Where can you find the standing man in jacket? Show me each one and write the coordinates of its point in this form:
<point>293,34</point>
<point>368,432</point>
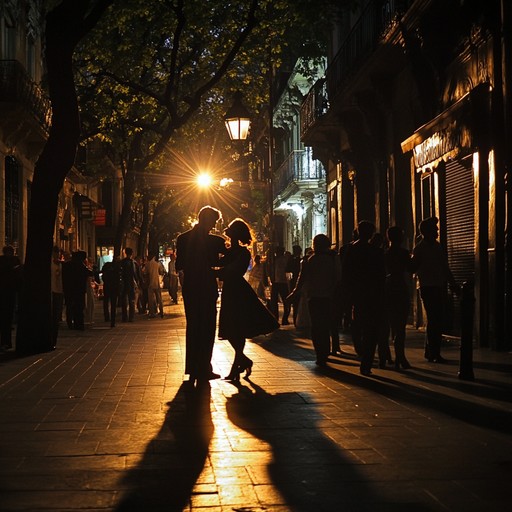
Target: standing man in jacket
<point>430,263</point>
<point>197,253</point>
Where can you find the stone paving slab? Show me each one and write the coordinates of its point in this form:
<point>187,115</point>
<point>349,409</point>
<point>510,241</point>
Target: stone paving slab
<point>105,423</point>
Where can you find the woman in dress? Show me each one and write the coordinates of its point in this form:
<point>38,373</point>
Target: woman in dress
<point>242,314</point>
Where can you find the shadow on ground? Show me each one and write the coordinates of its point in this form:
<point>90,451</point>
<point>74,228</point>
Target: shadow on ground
<point>174,459</point>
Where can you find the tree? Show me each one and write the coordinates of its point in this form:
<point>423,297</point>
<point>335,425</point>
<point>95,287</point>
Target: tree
<point>157,73</point>
<point>169,55</point>
<point>66,23</point>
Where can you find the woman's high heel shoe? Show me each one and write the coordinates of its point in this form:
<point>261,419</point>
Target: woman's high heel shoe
<point>247,367</point>
<point>234,374</point>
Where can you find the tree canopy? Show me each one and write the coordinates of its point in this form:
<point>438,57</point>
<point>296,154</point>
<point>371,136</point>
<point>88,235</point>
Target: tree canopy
<point>156,76</point>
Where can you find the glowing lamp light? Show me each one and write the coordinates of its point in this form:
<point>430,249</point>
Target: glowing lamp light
<point>237,119</point>
<point>204,180</point>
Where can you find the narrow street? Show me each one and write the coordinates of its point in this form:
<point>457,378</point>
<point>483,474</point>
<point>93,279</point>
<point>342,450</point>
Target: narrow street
<point>104,423</point>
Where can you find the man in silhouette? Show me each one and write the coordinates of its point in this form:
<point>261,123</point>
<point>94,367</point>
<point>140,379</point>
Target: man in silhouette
<point>197,253</point>
<point>363,278</point>
<point>430,264</point>
<point>130,281</point>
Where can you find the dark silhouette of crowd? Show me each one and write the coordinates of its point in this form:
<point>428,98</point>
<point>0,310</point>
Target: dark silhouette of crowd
<point>363,289</point>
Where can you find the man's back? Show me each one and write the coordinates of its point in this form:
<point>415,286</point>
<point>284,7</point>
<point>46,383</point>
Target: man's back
<point>197,253</point>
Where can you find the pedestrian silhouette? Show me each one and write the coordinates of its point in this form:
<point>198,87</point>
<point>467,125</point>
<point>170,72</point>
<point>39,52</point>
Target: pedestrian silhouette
<point>293,268</point>
<point>363,275</point>
<point>57,293</point>
<point>258,278</point>
<point>320,276</point>
<point>242,314</point>
<point>173,278</point>
<point>75,277</point>
<point>111,277</point>
<point>398,264</point>
<point>154,270</point>
<point>130,282</point>
<point>383,350</point>
<point>197,253</point>
<point>430,263</point>
<point>280,287</point>
<point>347,322</point>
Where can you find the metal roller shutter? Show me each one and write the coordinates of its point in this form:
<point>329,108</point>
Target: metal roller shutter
<point>460,225</point>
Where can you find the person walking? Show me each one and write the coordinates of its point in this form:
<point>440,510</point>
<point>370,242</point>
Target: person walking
<point>398,264</point>
<point>75,277</point>
<point>57,293</point>
<point>293,269</point>
<point>197,253</point>
<point>90,296</point>
<point>430,264</point>
<point>153,270</point>
<point>280,287</point>
<point>173,278</point>
<point>10,286</point>
<point>363,278</point>
<point>129,283</point>
<point>242,314</point>
<point>258,278</point>
<point>320,276</point>
<point>111,277</point>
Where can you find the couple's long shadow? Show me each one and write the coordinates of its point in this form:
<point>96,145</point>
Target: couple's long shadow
<point>308,469</point>
<point>175,458</point>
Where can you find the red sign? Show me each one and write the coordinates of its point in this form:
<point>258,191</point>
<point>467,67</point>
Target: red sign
<point>100,218</point>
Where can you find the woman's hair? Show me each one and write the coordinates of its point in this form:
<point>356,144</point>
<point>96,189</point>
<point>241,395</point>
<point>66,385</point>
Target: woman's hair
<point>240,230</point>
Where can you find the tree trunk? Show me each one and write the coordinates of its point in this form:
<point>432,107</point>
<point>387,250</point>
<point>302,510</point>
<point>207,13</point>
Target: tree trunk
<point>65,25</point>
<point>57,158</point>
<point>142,246</point>
<point>126,212</point>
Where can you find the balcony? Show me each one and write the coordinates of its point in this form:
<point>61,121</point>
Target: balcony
<point>375,23</point>
<point>298,173</point>
<point>26,111</point>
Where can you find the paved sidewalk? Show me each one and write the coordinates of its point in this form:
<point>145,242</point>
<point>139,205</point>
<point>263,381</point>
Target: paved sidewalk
<point>104,424</point>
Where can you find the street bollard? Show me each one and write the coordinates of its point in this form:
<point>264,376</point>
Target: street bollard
<point>467,308</point>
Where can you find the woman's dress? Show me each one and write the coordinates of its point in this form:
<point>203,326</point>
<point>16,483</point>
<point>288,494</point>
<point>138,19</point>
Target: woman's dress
<point>242,314</point>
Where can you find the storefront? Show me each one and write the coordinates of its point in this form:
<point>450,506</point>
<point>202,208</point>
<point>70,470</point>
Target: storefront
<point>451,164</point>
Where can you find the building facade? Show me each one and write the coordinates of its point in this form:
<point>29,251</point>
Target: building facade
<point>299,186</point>
<point>25,118</point>
<point>411,120</point>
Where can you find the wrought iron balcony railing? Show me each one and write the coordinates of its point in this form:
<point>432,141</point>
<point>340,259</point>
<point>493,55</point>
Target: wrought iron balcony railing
<point>362,40</point>
<point>16,87</point>
<point>299,167</point>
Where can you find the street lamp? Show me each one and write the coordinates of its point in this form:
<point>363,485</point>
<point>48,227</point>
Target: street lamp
<point>237,119</point>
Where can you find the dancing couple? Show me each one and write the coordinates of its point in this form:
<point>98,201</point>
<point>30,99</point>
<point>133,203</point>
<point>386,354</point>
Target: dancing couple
<point>204,257</point>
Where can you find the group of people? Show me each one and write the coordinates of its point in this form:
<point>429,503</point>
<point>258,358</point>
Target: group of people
<point>371,283</point>
<point>365,279</point>
<point>368,277</point>
<point>135,284</point>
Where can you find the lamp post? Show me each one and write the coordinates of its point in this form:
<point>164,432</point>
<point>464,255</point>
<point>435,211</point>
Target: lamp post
<point>237,119</point>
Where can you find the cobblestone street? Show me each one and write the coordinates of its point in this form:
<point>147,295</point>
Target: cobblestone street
<point>104,423</point>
